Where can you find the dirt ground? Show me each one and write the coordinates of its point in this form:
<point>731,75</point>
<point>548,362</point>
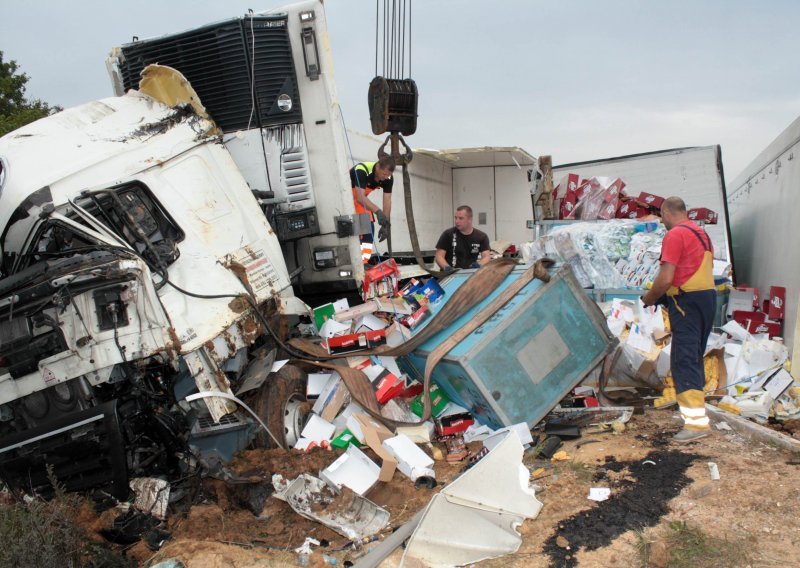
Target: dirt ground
<point>654,486</point>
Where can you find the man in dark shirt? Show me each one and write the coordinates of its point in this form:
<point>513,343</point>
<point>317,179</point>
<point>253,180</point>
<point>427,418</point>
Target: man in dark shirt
<point>462,246</point>
<point>365,178</point>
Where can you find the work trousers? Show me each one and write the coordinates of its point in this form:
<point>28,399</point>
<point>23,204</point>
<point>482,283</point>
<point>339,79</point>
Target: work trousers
<point>691,317</point>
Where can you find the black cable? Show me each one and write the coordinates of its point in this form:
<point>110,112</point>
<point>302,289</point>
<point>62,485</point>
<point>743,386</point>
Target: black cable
<point>377,6</point>
<point>409,38</point>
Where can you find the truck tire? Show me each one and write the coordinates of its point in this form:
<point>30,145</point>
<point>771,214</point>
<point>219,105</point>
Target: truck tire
<point>281,404</point>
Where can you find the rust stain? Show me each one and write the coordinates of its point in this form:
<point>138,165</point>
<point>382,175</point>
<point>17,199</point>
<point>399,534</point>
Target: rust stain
<point>229,342</point>
<point>250,329</point>
<point>238,305</point>
<point>209,345</point>
<point>174,346</point>
<point>241,273</point>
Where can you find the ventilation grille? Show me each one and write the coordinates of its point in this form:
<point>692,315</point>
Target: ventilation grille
<point>206,424</point>
<point>217,62</point>
<point>296,179</point>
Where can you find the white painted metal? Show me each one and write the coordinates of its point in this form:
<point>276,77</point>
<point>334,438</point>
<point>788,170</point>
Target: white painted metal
<point>764,206</point>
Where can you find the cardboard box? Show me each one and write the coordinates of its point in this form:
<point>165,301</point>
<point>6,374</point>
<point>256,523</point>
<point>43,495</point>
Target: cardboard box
<point>756,296</point>
<point>614,190</point>
<point>568,202</point>
<point>352,469</point>
<point>740,300</point>
<point>743,317</point>
<point>608,211</point>
<point>374,434</point>
<point>332,398</point>
<point>453,424</point>
<point>355,341</point>
<point>567,183</point>
<point>316,384</point>
<point>777,299</point>
<point>703,214</point>
<point>317,429</point>
<point>773,329</point>
<point>439,401</point>
<point>386,384</point>
<point>650,200</point>
<point>520,430</point>
<point>625,209</point>
<point>326,311</point>
<point>411,460</point>
<point>416,318</point>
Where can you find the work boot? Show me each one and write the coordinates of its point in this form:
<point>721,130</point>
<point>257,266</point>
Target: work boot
<point>685,436</point>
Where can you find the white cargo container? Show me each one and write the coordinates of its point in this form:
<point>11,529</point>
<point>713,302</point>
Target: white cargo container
<point>764,209</point>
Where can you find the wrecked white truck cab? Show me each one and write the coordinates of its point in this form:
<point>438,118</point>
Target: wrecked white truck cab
<point>138,268</point>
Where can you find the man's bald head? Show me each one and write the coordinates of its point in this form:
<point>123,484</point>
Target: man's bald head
<point>673,211</point>
<point>674,205</point>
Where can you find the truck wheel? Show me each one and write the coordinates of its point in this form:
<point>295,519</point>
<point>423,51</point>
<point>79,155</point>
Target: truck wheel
<point>282,405</point>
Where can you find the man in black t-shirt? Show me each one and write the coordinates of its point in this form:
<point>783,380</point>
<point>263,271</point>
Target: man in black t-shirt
<point>462,246</point>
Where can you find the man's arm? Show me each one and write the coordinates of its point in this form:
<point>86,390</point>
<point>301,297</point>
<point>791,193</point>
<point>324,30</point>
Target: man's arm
<point>440,260</point>
<point>485,257</point>
<point>387,205</point>
<point>660,285</point>
<point>364,200</point>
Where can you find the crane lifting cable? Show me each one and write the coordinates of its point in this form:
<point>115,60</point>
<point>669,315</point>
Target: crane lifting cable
<point>393,99</point>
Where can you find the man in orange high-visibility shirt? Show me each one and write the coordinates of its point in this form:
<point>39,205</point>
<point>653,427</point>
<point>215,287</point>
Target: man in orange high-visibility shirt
<point>365,178</point>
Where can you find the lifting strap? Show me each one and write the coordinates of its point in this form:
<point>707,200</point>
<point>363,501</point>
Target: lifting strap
<point>477,288</point>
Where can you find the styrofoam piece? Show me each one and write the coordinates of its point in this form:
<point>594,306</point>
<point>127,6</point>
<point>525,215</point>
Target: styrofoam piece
<point>399,410</point>
<point>521,430</point>
<point>355,518</point>
<point>599,493</point>
<point>477,515</point>
<point>317,429</point>
<point>411,460</point>
<point>352,469</point>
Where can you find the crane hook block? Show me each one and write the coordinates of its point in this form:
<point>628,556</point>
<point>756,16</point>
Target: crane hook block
<point>393,105</point>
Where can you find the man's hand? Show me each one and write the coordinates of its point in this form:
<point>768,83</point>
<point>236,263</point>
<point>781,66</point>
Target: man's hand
<point>384,223</point>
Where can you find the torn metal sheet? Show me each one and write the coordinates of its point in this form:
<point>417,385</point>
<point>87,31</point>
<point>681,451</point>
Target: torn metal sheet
<point>346,512</point>
<point>477,515</point>
<point>590,416</point>
<point>152,495</point>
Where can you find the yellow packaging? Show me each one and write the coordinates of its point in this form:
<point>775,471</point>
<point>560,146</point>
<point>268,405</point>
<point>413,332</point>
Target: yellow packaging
<point>732,408</point>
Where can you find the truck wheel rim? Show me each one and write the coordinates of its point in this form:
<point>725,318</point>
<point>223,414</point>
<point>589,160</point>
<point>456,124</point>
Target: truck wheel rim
<point>293,417</point>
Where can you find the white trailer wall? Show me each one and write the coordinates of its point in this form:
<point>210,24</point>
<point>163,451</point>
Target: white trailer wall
<point>764,207</point>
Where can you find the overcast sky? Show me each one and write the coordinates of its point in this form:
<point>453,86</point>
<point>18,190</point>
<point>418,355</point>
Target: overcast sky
<point>579,80</point>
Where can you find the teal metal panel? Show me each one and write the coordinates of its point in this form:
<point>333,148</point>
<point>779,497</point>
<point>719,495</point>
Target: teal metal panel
<point>525,358</point>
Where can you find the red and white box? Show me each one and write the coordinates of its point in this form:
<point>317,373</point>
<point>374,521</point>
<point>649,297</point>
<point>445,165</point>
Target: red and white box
<point>754,292</point>
<point>703,214</point>
<point>568,202</point>
<point>608,211</point>
<point>745,318</point>
<point>626,208</point>
<point>650,200</point>
<point>387,385</point>
<point>453,424</point>
<point>356,341</point>
<point>569,183</point>
<point>613,190</point>
<point>777,300</point>
<point>772,328</point>
<point>585,188</point>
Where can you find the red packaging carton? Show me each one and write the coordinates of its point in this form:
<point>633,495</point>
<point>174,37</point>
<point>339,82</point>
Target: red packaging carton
<point>755,293</point>
<point>387,385</point>
<point>703,214</point>
<point>777,299</point>
<point>568,183</point>
<point>625,209</point>
<point>744,318</point>
<point>649,200</point>
<point>568,205</point>
<point>356,341</point>
<point>608,211</point>
<point>453,424</point>
<point>769,327</point>
<point>614,190</point>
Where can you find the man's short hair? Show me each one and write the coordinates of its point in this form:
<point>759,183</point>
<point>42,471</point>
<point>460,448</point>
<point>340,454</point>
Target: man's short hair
<point>674,205</point>
<point>466,208</point>
<point>386,163</point>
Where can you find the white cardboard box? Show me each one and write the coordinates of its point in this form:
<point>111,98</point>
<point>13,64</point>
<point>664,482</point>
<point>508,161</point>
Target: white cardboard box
<point>317,429</point>
<point>521,430</point>
<point>411,460</point>
<point>352,469</point>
